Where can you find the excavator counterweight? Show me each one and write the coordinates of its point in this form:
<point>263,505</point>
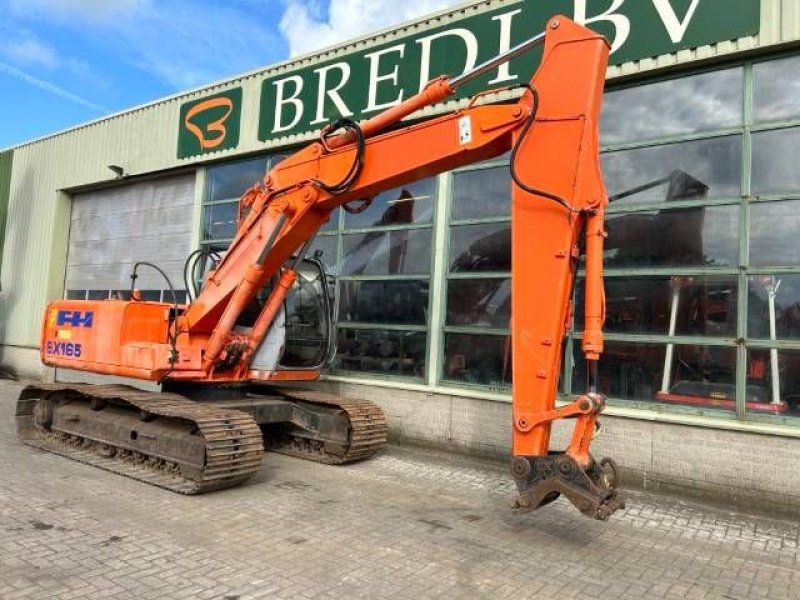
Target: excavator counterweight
<point>263,315</point>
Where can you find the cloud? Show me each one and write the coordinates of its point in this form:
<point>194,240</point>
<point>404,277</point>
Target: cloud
<point>49,87</point>
<point>308,25</point>
<point>26,49</point>
<point>92,10</point>
<point>184,43</point>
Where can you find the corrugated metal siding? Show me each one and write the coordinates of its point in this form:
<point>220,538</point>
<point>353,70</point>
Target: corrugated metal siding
<point>144,140</point>
<point>111,229</point>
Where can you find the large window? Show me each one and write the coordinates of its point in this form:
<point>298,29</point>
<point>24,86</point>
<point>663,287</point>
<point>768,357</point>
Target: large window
<point>477,347</point>
<point>384,273</point>
<point>702,256</point>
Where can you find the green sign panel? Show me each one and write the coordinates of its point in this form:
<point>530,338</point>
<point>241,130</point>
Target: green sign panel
<point>210,124</point>
<point>362,84</point>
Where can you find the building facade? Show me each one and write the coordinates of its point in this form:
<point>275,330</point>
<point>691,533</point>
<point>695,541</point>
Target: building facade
<point>699,132</point>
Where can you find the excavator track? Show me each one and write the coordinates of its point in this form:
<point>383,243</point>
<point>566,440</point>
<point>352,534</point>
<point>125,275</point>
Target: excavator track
<point>214,448</point>
<point>368,430</point>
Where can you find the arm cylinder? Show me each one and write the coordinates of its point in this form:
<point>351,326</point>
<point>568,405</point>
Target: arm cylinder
<point>594,302</point>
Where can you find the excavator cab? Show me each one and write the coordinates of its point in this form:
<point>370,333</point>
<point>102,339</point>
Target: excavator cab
<point>309,318</point>
<point>301,337</point>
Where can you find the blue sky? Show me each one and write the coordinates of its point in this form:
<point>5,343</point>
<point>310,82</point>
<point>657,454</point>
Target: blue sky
<point>64,62</point>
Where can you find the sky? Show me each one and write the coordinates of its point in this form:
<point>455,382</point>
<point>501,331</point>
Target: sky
<point>65,62</point>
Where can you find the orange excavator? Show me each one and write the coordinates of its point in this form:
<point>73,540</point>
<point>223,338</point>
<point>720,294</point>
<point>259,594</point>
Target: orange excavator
<point>263,317</point>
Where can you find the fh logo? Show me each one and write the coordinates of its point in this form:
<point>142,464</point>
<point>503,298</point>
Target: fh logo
<point>215,130</point>
<point>74,318</point>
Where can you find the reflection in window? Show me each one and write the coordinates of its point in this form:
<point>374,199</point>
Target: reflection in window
<point>774,236</point>
<point>702,305</point>
<point>333,223</point>
<point>397,302</point>
<point>701,102</point>
<point>777,90</point>
<point>412,203</point>
<point>775,161</point>
<point>404,252</point>
<point>324,248</point>
<point>773,379</point>
<point>697,376</point>
<point>688,170</point>
<point>481,302</point>
<point>774,307</point>
<point>478,360</point>
<point>481,193</point>
<point>220,221</point>
<point>232,180</point>
<point>683,237</point>
<point>380,351</point>
<point>484,247</point>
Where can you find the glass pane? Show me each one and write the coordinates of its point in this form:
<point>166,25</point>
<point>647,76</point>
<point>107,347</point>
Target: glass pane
<point>478,360</point>
<point>333,222</point>
<point>75,295</point>
<point>104,294</point>
<point>483,302</point>
<point>774,238</point>
<point>220,221</point>
<point>482,193</point>
<point>151,295</point>
<point>707,237</point>
<point>326,244</point>
<point>774,307</point>
<point>685,105</point>
<point>773,382</point>
<point>397,302</point>
<point>413,203</point>
<point>484,247</point>
<point>232,180</point>
<point>703,305</point>
<point>775,161</point>
<point>382,352</point>
<point>687,170</point>
<point>405,252</point>
<point>699,376</point>
<point>777,89</point>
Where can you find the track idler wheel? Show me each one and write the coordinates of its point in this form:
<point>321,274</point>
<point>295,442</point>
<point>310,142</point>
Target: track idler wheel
<point>542,479</point>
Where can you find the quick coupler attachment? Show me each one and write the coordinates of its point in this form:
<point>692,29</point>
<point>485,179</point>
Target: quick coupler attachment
<point>542,479</point>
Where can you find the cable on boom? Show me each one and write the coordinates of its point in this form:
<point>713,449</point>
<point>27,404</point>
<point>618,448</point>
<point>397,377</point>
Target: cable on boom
<point>358,164</point>
<point>525,129</point>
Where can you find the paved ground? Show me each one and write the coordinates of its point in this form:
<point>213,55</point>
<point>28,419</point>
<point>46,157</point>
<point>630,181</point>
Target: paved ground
<point>407,524</point>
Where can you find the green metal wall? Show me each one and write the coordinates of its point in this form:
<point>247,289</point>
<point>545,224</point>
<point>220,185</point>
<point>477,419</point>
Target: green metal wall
<point>6,161</point>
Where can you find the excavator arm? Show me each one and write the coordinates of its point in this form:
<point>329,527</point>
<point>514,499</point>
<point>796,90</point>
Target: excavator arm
<point>558,198</point>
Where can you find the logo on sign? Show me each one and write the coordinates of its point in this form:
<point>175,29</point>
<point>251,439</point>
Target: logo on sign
<point>74,318</point>
<point>213,133</point>
<point>210,124</point>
